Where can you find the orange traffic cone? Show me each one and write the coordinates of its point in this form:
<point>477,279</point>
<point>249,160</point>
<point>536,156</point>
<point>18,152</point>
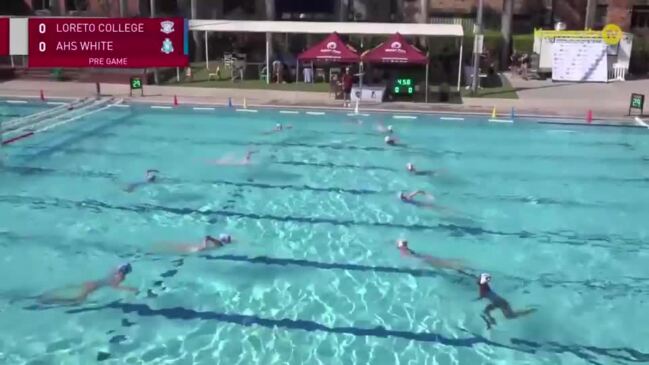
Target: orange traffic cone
<point>589,116</point>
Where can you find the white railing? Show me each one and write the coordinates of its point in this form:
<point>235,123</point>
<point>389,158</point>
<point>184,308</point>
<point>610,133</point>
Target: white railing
<point>88,107</point>
<point>466,23</point>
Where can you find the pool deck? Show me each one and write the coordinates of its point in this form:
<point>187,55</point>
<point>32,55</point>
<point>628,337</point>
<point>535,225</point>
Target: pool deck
<point>608,101</point>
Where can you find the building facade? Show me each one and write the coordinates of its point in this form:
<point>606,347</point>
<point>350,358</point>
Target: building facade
<point>629,14</point>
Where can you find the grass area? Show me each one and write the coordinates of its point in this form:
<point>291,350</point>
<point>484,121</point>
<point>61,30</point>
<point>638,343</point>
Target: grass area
<point>200,79</point>
<point>504,91</point>
<point>200,74</point>
<point>253,84</point>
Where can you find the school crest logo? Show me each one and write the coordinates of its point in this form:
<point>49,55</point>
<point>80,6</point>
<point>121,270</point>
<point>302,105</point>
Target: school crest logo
<point>167,46</point>
<point>167,27</point>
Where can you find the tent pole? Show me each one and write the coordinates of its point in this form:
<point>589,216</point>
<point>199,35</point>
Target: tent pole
<point>268,71</point>
<point>459,67</point>
<point>360,78</point>
<point>426,91</point>
<point>207,54</point>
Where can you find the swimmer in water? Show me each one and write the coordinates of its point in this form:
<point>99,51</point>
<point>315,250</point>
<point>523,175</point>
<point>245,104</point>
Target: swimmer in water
<point>209,243</point>
<point>226,161</point>
<point>402,245</point>
<point>411,169</point>
<point>279,127</point>
<point>496,302</point>
<point>149,178</point>
<point>389,140</point>
<point>113,280</point>
<point>383,129</point>
<point>409,198</point>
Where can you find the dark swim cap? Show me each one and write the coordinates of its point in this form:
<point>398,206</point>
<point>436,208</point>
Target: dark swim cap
<point>125,269</point>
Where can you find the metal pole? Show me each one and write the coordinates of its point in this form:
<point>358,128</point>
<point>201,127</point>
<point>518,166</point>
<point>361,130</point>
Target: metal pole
<point>476,55</point>
<point>12,61</point>
<point>426,91</point>
<point>122,8</point>
<point>268,58</point>
<point>591,8</point>
<point>177,74</point>
<point>207,54</point>
<point>155,70</point>
<point>459,67</point>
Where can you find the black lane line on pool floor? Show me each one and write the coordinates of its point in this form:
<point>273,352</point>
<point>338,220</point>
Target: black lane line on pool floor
<point>454,230</point>
<point>610,290</point>
<point>174,313</point>
<point>500,174</point>
<point>36,171</point>
<point>376,135</point>
<point>341,146</point>
<point>588,353</point>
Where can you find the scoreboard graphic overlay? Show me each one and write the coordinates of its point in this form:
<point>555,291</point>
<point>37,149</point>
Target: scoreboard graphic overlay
<point>108,42</point>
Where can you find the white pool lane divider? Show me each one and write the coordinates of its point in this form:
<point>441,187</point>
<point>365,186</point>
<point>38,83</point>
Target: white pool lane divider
<point>203,108</point>
<point>16,101</point>
<point>641,122</point>
<point>451,118</point>
<point>316,113</point>
<point>160,107</point>
<point>247,110</point>
<point>289,112</point>
<point>501,121</point>
<point>56,102</point>
<point>404,117</point>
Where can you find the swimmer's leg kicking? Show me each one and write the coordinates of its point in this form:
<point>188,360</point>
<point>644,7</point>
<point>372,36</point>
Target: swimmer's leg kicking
<point>496,302</point>
<point>114,280</point>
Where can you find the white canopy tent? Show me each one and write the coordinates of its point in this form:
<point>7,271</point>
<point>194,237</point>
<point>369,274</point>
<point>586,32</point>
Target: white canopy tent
<point>269,27</point>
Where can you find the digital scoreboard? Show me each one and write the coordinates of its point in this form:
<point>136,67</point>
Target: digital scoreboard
<point>107,42</point>
<point>403,86</point>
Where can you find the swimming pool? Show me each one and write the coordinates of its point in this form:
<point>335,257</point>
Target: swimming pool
<point>555,213</point>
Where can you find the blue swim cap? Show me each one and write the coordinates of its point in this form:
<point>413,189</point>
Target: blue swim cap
<point>225,238</point>
<point>124,269</point>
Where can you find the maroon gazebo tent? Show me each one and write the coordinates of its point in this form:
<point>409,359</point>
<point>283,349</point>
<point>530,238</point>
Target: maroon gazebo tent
<point>397,50</point>
<point>330,50</point>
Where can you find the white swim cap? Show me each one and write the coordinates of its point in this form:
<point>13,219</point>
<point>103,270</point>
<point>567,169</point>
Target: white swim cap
<point>410,166</point>
<point>225,238</point>
<point>386,139</point>
<point>484,278</point>
<point>389,127</point>
<point>402,243</point>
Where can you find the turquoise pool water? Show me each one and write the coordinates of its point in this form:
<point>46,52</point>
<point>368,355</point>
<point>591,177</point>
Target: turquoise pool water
<point>557,215</point>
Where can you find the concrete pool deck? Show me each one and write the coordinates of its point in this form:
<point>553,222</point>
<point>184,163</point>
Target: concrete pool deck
<point>608,101</point>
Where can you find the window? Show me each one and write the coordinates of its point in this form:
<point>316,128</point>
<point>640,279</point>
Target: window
<point>640,17</point>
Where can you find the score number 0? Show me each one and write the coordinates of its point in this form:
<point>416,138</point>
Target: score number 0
<point>41,30</point>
